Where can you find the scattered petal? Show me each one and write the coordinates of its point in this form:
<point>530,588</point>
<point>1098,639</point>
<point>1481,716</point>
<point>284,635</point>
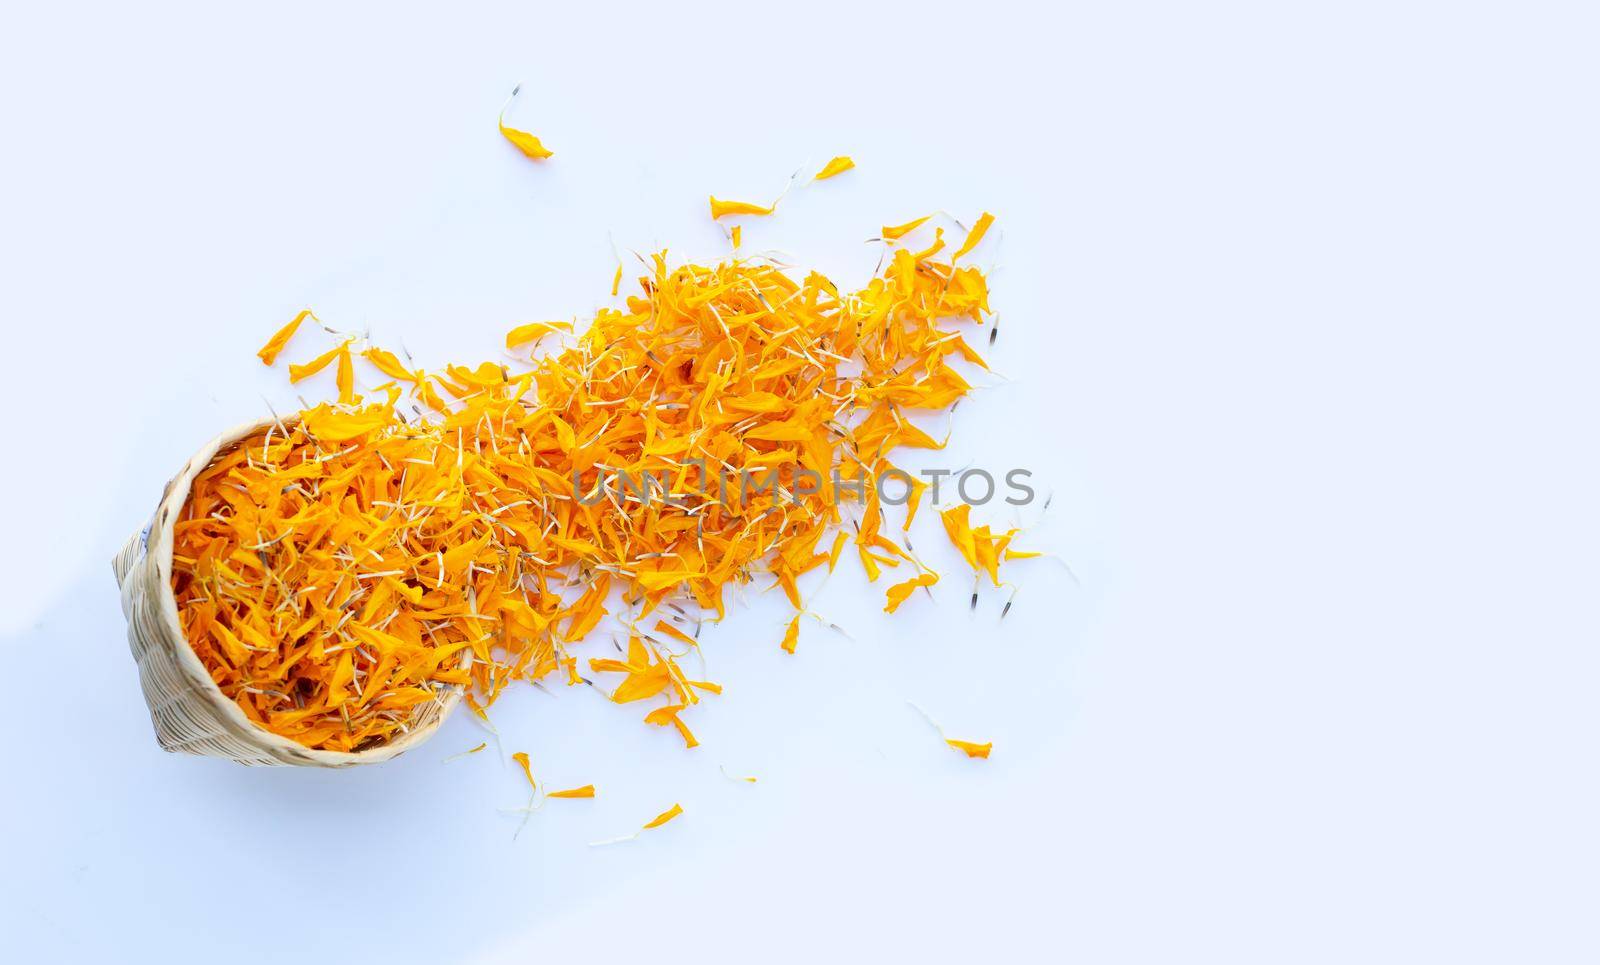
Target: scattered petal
<point>586,791</point>
<point>533,331</point>
<point>525,142</point>
<point>664,817</point>
<point>896,232</point>
<point>969,748</point>
<point>345,376</point>
<point>898,593</point>
<point>722,209</point>
<point>275,344</point>
<point>974,236</point>
<point>306,371</point>
<point>521,757</point>
<point>838,165</point>
<point>469,751</point>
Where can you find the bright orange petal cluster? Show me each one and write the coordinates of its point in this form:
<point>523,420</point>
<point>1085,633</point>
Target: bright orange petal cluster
<point>335,572</point>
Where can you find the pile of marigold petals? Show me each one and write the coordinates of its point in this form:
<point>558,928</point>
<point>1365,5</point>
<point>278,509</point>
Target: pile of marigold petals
<point>511,479</point>
<point>323,585</point>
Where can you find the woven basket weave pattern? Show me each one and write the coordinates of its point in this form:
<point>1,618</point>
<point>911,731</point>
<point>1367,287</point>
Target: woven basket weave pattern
<point>189,711</point>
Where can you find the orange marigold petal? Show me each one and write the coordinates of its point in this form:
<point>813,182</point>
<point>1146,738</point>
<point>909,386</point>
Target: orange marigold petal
<point>838,165</point>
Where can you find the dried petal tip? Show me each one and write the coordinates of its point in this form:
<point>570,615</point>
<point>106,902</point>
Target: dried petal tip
<point>721,209</point>
<point>838,165</point>
<point>466,753</point>
<point>971,749</point>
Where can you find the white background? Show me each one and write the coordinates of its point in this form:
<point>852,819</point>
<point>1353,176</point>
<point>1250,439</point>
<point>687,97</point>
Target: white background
<point>1298,325</point>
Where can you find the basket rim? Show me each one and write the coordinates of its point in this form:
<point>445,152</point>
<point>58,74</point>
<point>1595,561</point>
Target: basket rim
<point>158,550</point>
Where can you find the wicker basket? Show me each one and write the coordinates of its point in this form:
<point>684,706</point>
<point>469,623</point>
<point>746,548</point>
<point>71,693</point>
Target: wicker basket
<point>189,711</point>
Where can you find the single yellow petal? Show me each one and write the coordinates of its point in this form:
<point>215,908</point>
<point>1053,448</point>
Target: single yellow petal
<point>974,236</point>
<point>662,716</point>
<point>533,331</point>
<point>838,547</point>
<point>388,364</point>
<point>521,757</point>
<point>683,731</point>
<point>959,529</point>
<point>896,232</point>
<point>525,142</point>
<point>275,344</point>
<point>969,748</point>
<point>345,376</point>
<point>664,817</point>
<point>586,791</point>
<point>721,209</point>
<point>306,371</point>
<point>900,592</point>
<point>664,627</point>
<point>838,165</point>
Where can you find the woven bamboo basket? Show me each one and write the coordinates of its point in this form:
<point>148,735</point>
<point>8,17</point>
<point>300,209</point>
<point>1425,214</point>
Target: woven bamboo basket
<point>190,713</point>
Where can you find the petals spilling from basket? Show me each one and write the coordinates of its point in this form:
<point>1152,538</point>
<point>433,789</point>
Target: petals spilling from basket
<point>331,572</point>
